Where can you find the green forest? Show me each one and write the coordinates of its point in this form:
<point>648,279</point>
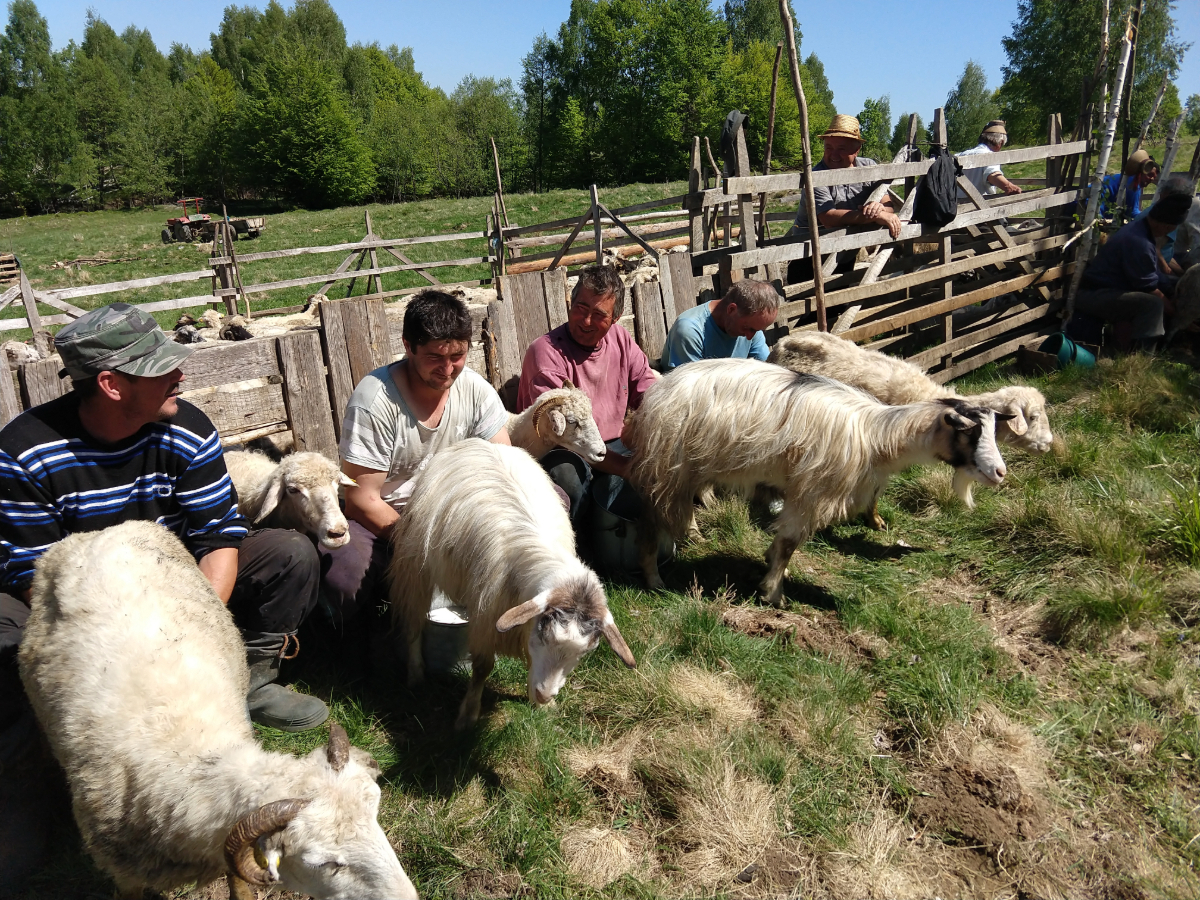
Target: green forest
<point>279,107</point>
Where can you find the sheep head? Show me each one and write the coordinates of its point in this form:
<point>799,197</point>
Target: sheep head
<point>566,622</point>
<point>1027,425</point>
<point>303,494</point>
<point>965,438</point>
<point>329,844</point>
<point>564,415</point>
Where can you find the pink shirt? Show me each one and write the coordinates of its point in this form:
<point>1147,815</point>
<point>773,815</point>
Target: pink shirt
<point>615,374</point>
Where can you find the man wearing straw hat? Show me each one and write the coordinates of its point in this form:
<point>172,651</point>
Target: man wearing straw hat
<point>1140,170</point>
<point>988,178</point>
<point>842,205</point>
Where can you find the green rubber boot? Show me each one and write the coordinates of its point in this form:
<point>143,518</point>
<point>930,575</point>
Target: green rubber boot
<point>271,704</point>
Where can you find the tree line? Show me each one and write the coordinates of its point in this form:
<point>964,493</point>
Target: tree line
<point>281,107</point>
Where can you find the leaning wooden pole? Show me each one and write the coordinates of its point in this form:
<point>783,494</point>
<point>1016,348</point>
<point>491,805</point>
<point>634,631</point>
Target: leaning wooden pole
<point>1172,144</point>
<point>763,232</point>
<point>499,186</point>
<point>810,202</point>
<point>1093,204</point>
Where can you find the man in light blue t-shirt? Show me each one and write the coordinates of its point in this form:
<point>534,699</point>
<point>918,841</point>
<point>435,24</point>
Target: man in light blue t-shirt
<point>729,328</point>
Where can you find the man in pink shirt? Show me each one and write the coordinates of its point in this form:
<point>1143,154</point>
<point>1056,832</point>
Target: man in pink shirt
<point>602,361</point>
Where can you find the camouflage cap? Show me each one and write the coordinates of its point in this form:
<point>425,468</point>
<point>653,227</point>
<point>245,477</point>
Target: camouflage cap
<point>117,337</point>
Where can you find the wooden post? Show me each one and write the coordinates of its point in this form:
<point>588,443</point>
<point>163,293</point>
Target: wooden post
<point>764,230</point>
<point>1089,216</point>
<point>499,186</point>
<point>596,226</point>
<point>1132,31</point>
<point>376,280</point>
<point>41,337</point>
<point>221,279</point>
<point>1054,164</point>
<point>910,184</point>
<point>698,234</point>
<point>1194,168</point>
<point>741,166</point>
<point>1172,144</point>
<point>947,294</point>
<point>810,203</point>
<point>237,275</point>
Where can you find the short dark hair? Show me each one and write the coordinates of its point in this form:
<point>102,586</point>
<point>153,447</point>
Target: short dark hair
<point>602,281</point>
<point>752,297</point>
<point>85,388</point>
<point>436,316</point>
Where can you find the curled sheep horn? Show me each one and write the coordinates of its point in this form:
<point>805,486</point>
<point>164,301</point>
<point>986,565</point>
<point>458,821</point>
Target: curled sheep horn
<point>240,844</point>
<point>337,751</point>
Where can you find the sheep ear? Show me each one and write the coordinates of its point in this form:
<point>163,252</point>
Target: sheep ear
<point>519,615</point>
<point>272,497</point>
<point>567,384</point>
<point>558,422</point>
<point>345,479</point>
<point>613,635</point>
<point>1015,418</point>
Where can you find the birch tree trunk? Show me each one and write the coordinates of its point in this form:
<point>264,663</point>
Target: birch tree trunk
<point>1142,136</point>
<point>1172,144</point>
<point>1093,205</point>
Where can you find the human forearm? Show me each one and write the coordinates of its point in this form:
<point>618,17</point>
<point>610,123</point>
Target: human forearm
<point>220,568</point>
<point>371,512</point>
<point>998,179</point>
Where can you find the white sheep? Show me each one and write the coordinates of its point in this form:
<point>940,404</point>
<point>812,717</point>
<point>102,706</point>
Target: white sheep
<point>558,418</point>
<point>1022,422</point>
<point>19,353</point>
<point>299,492</point>
<point>486,527</point>
<point>267,326</point>
<point>138,677</point>
<point>829,448</point>
<point>1187,303</point>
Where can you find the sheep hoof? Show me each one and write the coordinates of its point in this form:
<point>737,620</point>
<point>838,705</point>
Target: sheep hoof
<point>466,721</point>
<point>655,583</point>
<point>876,522</point>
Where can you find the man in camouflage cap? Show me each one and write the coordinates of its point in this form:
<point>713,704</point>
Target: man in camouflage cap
<point>125,441</point>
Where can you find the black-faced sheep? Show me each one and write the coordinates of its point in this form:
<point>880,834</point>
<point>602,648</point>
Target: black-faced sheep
<point>558,418</point>
<point>1022,422</point>
<point>485,526</point>
<point>138,676</point>
<point>829,448</point>
<point>299,492</point>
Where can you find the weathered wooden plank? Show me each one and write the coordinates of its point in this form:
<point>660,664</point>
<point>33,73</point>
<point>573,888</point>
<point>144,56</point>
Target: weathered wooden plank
<point>93,290</point>
<point>377,243</point>
<point>358,273</point>
<point>1024,316</point>
<point>238,409</point>
<point>525,294</point>
<point>890,323</point>
<point>650,328</point>
<point>802,249</point>
<point>514,230</point>
<point>337,360</point>
<point>305,393</point>
<point>18,324</point>
<point>66,307</point>
<point>548,240</point>
<point>914,279</point>
<point>10,406</point>
<point>999,352</point>
<point>503,355</point>
<point>589,246</point>
<point>40,382</point>
<point>683,286</point>
<point>828,177</point>
<point>220,362</point>
<point>10,295</point>
<point>554,285</point>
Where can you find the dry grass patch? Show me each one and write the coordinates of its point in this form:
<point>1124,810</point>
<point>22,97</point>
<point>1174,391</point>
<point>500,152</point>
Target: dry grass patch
<point>821,633</point>
<point>598,856</point>
<point>722,697</point>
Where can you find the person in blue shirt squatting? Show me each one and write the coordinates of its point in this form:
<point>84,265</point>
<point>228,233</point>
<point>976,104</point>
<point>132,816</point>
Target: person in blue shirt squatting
<point>1140,170</point>
<point>1125,286</point>
<point>728,328</point>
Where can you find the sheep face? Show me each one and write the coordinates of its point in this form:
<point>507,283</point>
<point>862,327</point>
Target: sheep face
<point>1028,426</point>
<point>334,847</point>
<point>965,438</point>
<point>566,623</point>
<point>303,493</point>
<point>577,432</point>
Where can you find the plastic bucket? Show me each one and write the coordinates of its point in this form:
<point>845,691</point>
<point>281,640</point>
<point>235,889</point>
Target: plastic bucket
<point>1067,351</point>
<point>444,640</point>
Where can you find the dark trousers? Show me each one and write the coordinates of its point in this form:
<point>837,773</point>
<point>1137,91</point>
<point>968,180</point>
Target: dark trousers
<point>1141,312</point>
<point>575,478</point>
<point>353,577</point>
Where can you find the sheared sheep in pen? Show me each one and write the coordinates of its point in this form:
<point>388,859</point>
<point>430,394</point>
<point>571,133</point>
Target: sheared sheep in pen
<point>829,448</point>
<point>1023,420</point>
<point>485,526</point>
<point>299,492</point>
<point>558,418</point>
<point>138,676</point>
<point>1186,302</point>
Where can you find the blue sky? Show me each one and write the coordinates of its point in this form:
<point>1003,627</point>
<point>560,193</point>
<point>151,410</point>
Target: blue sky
<point>913,51</point>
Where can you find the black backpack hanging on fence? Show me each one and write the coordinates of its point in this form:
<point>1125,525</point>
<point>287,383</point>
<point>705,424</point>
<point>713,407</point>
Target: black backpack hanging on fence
<point>937,194</point>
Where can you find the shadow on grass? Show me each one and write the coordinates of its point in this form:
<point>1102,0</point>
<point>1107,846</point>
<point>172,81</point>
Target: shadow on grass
<point>861,546</point>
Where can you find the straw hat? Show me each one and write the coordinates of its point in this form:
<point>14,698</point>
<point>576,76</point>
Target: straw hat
<point>844,126</point>
<point>1137,160</point>
<point>996,126</point>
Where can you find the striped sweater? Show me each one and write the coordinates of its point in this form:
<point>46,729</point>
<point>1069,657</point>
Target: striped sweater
<point>55,479</point>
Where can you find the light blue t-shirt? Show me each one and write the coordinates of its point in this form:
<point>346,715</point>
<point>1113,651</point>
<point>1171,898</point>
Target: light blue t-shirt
<point>694,335</point>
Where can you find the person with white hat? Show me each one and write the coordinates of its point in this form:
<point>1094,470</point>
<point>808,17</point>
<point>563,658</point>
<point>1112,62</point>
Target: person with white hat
<point>1139,170</point>
<point>987,179</point>
<point>841,205</point>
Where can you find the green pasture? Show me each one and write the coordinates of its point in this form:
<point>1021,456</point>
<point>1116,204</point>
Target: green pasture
<point>998,702</point>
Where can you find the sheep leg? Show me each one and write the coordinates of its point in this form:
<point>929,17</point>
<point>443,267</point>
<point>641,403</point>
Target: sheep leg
<point>648,550</point>
<point>416,662</point>
<point>791,534</point>
<point>874,519</point>
<point>468,713</point>
<point>240,890</point>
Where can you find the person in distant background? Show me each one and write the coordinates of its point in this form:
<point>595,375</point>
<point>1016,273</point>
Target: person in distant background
<point>728,328</point>
<point>1140,170</point>
<point>988,179</point>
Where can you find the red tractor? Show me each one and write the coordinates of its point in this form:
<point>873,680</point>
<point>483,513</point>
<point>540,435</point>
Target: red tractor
<point>186,228</point>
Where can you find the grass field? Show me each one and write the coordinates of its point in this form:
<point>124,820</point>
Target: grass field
<point>994,703</point>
